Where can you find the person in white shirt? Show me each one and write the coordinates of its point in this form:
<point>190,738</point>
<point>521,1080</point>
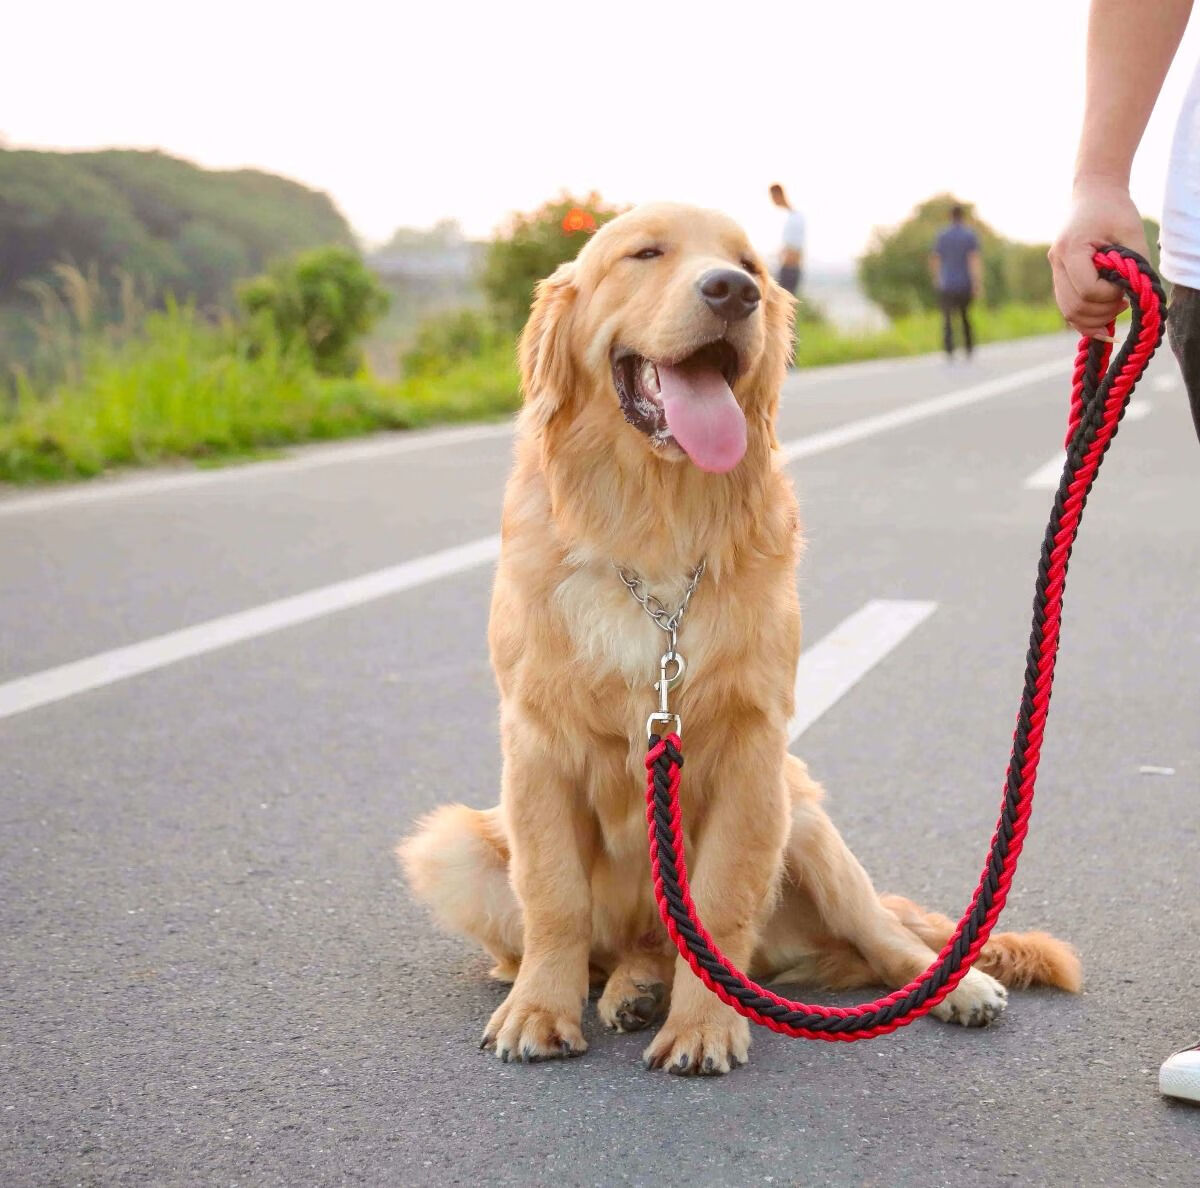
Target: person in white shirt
<point>791,252</point>
<point>1129,49</point>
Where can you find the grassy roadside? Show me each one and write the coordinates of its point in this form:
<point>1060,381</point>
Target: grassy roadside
<point>181,391</point>
<point>822,345</point>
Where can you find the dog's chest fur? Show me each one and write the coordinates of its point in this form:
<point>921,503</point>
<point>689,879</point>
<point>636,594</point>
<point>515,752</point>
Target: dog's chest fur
<point>610,631</point>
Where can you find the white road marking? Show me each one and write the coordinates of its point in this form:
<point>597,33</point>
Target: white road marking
<point>834,665</point>
<point>818,443</point>
<point>103,490</point>
<point>1046,477</point>
<point>105,668</point>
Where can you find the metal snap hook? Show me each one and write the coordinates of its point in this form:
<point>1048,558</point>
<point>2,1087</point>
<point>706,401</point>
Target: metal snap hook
<point>671,657</point>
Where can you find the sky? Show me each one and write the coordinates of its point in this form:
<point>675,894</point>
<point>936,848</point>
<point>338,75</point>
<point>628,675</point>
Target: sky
<point>410,113</point>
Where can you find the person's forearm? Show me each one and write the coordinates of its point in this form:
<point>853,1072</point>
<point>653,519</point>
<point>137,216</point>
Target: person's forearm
<point>975,269</point>
<point>1129,49</point>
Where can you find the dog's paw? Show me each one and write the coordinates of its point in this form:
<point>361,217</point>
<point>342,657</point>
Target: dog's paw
<point>521,1030</point>
<point>708,1049</point>
<point>629,1003</point>
<point>975,1002</point>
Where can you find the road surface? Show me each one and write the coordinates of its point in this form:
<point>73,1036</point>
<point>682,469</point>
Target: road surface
<point>224,695</point>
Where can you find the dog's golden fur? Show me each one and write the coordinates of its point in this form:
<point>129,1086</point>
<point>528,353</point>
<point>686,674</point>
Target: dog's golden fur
<point>554,882</point>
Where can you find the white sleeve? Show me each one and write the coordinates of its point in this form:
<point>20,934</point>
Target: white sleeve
<point>793,231</point>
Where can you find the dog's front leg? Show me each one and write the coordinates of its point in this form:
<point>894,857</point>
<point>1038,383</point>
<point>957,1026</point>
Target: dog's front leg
<point>735,867</point>
<point>551,834</point>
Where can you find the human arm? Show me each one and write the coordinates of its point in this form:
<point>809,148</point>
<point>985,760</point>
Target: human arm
<point>975,269</point>
<point>1129,49</point>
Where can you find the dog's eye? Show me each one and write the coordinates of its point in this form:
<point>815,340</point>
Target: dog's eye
<point>749,266</point>
<point>650,253</point>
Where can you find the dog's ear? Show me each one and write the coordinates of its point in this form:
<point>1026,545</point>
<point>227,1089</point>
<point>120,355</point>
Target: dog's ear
<point>780,348</point>
<point>547,369</point>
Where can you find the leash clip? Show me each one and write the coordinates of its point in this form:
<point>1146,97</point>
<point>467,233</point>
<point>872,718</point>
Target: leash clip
<point>664,684</point>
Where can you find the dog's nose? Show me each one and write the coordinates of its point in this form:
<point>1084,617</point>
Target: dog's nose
<point>730,293</point>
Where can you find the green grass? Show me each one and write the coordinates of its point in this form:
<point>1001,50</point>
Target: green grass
<point>182,390</point>
<point>820,345</point>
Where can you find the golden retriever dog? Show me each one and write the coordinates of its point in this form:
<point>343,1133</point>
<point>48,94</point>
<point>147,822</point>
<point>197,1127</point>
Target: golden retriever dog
<point>651,369</point>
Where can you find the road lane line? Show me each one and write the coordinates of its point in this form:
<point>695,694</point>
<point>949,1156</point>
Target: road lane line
<point>835,664</point>
<point>103,490</point>
<point>106,668</point>
<point>1046,477</point>
<point>818,443</point>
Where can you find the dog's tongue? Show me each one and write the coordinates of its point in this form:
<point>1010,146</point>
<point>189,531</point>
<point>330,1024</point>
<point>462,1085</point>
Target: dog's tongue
<point>702,415</point>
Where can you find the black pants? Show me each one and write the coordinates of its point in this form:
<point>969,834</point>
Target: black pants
<point>953,303</point>
<point>1183,331</point>
<point>789,278</point>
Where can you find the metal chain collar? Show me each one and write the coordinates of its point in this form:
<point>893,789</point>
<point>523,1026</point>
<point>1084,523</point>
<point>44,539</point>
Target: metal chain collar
<point>669,622</point>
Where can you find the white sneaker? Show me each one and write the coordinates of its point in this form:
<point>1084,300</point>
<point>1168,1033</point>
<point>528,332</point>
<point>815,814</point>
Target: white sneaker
<point>1180,1075</point>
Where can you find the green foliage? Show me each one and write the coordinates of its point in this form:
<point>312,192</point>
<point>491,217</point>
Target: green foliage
<point>323,301</point>
<point>1153,232</point>
<point>1026,275</point>
<point>531,247</point>
<point>921,333</point>
<point>169,224</point>
<point>895,270</point>
<point>179,387</point>
<point>183,388</point>
<point>447,339</point>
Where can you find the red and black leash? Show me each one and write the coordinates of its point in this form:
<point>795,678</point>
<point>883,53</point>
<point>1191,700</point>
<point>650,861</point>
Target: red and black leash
<point>1099,396</point>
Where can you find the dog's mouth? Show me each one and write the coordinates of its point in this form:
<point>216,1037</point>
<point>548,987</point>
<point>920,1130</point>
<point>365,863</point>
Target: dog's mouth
<point>689,402</point>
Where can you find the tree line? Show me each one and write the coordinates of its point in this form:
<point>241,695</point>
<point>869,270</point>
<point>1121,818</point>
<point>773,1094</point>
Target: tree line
<point>894,271</point>
<point>170,224</point>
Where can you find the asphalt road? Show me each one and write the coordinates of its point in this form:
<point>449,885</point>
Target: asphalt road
<point>210,970</point>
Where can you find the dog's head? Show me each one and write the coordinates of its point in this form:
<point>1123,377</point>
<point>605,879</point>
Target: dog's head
<point>669,321</point>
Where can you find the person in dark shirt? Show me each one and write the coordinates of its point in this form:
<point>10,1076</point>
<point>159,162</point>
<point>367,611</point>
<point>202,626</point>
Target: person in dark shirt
<point>957,276</point>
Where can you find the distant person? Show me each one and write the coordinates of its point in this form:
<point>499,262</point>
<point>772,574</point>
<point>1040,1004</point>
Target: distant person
<point>791,251</point>
<point>1130,45</point>
<point>958,277</point>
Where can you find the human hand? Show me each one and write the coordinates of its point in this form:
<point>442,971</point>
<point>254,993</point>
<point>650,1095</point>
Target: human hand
<point>1102,213</point>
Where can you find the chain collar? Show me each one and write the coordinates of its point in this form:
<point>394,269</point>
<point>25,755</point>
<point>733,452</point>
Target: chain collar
<point>667,621</point>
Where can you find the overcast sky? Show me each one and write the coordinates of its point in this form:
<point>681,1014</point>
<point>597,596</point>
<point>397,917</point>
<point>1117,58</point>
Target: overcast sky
<point>408,113</point>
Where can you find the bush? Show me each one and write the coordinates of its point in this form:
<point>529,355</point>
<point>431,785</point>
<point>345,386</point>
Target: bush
<point>325,300</point>
<point>449,338</point>
<point>179,388</point>
<point>1153,232</point>
<point>895,270</point>
<point>531,247</point>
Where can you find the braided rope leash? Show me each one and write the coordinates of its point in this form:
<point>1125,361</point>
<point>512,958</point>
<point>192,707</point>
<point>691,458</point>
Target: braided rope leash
<point>1099,397</point>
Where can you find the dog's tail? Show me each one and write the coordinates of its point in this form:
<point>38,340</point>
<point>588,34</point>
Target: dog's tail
<point>457,863</point>
<point>1018,959</point>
